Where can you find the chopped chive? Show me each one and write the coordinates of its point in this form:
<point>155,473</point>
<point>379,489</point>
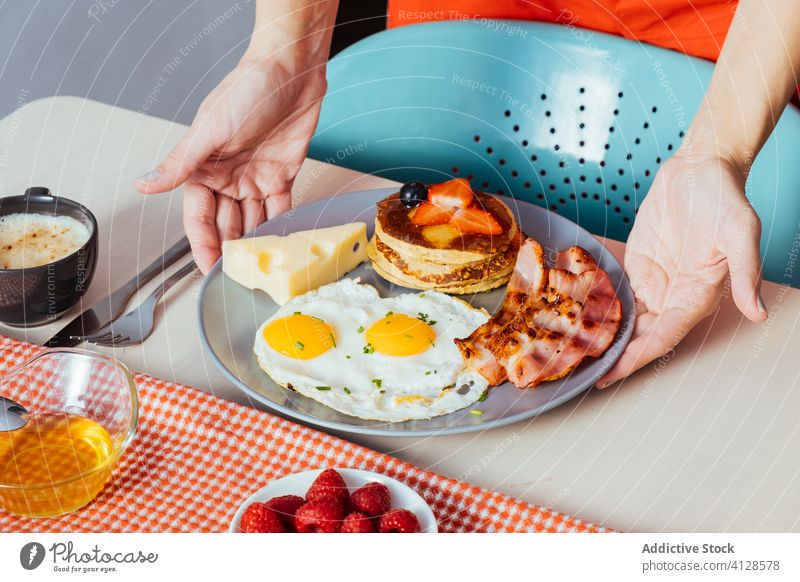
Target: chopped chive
<point>389,313</point>
<point>428,373</point>
<point>299,345</point>
<point>383,391</point>
<point>346,390</point>
<point>368,349</point>
<point>377,382</point>
<point>348,357</point>
<point>323,388</point>
<point>432,322</point>
<point>422,295</point>
<point>298,313</point>
<point>333,339</point>
<point>360,328</point>
<point>422,317</point>
<point>476,412</point>
<point>405,335</point>
<point>483,395</point>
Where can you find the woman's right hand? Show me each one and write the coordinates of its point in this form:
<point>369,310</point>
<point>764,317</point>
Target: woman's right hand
<point>240,157</point>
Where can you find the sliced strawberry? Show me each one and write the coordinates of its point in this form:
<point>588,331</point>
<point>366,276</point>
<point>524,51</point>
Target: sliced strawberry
<point>475,220</point>
<point>428,214</point>
<point>454,193</point>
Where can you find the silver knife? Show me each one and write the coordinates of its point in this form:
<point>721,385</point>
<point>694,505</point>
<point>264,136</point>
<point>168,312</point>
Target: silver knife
<point>109,308</point>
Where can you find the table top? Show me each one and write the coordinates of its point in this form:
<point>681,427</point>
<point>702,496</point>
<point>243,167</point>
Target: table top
<point>705,439</point>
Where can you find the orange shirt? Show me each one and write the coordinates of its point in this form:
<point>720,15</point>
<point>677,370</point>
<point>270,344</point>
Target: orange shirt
<point>697,28</point>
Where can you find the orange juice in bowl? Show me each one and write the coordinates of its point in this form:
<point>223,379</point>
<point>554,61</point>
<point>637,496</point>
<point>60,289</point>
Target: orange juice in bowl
<point>83,411</point>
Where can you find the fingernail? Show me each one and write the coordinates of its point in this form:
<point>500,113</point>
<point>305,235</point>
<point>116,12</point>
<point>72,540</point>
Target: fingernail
<point>761,307</point>
<point>601,385</point>
<point>149,176</point>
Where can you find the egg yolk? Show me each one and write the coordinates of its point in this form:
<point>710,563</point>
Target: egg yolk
<point>400,335</point>
<point>300,336</point>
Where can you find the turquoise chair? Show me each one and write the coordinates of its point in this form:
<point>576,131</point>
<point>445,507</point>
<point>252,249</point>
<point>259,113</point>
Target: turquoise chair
<point>572,120</point>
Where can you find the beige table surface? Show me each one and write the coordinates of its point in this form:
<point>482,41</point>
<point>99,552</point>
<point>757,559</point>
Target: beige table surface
<point>708,441</point>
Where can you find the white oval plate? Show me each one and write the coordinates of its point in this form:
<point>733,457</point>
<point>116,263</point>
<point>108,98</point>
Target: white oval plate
<point>402,495</point>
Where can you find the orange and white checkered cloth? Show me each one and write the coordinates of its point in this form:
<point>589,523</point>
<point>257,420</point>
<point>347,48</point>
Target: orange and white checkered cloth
<point>197,457</point>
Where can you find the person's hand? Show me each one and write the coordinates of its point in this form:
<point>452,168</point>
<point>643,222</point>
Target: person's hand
<point>693,228</point>
<point>242,153</point>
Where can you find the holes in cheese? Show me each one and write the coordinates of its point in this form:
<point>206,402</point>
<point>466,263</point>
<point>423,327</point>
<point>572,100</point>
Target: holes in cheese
<point>287,266</point>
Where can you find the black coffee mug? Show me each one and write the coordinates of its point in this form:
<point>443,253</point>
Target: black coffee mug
<point>37,295</point>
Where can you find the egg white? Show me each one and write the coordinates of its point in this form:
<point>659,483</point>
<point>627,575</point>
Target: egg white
<point>381,387</point>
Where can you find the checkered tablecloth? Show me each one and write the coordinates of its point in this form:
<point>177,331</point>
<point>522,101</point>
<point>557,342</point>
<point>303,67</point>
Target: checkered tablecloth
<point>196,458</point>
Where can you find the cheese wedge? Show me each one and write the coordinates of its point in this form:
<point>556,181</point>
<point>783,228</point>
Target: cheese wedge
<point>287,266</point>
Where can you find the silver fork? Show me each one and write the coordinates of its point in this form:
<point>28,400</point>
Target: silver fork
<point>136,326</point>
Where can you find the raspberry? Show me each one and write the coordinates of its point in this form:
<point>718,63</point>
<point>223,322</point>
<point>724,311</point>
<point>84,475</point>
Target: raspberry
<point>372,499</point>
<point>323,516</point>
<point>285,507</point>
<point>257,518</point>
<point>329,484</point>
<point>398,521</point>
<point>357,523</point>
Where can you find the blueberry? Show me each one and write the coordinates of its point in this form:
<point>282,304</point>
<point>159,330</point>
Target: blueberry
<point>413,193</point>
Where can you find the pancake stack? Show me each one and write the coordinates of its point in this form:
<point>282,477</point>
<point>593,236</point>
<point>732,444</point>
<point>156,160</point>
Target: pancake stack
<point>441,257</point>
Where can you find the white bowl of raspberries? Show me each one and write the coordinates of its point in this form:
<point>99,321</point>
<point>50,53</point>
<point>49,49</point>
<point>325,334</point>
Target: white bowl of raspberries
<point>334,501</point>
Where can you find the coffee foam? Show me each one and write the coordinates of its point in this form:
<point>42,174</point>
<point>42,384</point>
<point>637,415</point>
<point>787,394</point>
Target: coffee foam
<point>30,240</point>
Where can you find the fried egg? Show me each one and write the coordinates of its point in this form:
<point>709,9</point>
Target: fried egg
<point>389,359</point>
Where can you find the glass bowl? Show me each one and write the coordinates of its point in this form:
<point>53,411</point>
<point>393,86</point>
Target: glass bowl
<point>83,412</point>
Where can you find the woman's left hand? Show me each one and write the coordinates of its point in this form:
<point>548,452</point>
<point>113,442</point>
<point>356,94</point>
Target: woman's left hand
<point>694,228</point>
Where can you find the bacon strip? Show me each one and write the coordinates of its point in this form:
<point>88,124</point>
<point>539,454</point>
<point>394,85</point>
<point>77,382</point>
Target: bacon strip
<point>550,320</point>
<point>528,280</point>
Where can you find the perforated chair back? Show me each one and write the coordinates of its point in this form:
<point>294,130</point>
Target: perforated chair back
<point>576,121</point>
